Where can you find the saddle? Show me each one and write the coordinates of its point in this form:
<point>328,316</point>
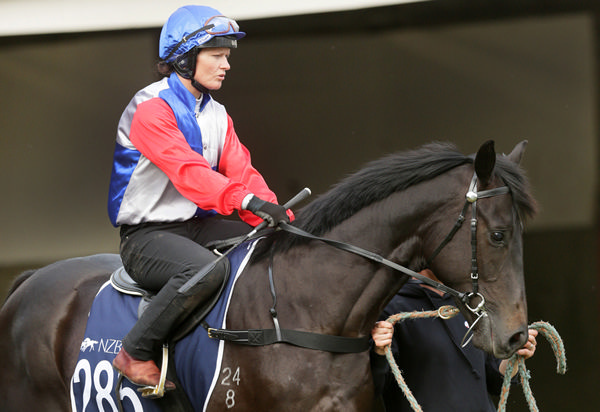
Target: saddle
<point>124,283</point>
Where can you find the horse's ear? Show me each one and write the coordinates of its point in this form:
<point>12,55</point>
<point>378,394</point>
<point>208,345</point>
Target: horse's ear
<point>485,160</point>
<point>517,153</point>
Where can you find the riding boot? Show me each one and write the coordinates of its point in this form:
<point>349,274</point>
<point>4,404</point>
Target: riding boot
<point>169,307</point>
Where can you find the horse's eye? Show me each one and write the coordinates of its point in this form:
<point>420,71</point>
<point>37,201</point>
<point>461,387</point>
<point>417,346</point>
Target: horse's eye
<point>497,237</point>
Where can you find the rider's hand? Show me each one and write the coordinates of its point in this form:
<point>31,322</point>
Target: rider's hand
<point>272,213</point>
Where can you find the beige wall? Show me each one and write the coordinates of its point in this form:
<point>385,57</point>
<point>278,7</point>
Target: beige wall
<point>43,16</point>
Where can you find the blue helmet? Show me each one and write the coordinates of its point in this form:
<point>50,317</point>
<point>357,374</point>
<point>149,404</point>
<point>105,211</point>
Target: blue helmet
<point>196,26</point>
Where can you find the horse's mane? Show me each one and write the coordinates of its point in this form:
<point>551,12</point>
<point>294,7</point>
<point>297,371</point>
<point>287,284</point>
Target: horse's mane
<point>383,177</point>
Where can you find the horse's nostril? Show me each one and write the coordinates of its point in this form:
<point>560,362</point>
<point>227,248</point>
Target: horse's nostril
<point>517,340</point>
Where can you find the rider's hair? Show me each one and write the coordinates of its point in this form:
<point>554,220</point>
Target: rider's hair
<point>164,69</point>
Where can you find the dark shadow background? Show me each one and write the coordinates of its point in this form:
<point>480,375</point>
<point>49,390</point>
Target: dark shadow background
<point>314,97</point>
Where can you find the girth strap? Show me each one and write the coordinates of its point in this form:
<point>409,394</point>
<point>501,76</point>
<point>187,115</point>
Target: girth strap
<point>310,340</point>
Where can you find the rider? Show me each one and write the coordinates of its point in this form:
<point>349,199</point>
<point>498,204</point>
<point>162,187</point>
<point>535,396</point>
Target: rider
<point>178,165</point>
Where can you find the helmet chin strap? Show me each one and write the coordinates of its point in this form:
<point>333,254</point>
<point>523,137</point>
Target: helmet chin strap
<point>189,75</point>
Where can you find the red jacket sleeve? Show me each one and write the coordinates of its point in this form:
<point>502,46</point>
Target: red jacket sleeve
<point>155,134</point>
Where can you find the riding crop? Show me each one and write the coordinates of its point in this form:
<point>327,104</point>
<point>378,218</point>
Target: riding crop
<point>303,194</point>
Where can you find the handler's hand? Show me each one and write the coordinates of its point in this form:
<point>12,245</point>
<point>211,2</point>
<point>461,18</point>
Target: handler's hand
<point>528,349</point>
<point>382,334</point>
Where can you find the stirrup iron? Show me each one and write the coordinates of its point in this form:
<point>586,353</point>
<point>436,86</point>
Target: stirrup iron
<point>158,391</point>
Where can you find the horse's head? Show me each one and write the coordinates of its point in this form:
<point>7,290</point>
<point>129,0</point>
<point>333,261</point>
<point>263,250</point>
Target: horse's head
<point>484,259</point>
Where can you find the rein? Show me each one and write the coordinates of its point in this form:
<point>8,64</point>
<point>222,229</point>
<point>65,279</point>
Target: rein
<point>374,257</point>
<point>340,344</point>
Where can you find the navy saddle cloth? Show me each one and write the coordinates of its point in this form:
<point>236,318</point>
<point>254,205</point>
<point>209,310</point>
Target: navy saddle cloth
<point>197,358</point>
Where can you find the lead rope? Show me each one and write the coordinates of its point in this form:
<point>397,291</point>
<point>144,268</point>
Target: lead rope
<point>444,312</point>
<point>517,361</point>
<point>447,312</point>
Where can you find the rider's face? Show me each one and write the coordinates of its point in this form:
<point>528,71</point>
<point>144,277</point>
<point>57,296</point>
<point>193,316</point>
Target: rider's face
<point>211,65</point>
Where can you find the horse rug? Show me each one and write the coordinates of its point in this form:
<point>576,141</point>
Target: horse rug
<point>197,357</point>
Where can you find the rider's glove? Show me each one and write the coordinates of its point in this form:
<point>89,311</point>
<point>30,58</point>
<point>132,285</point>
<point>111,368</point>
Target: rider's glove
<point>270,212</point>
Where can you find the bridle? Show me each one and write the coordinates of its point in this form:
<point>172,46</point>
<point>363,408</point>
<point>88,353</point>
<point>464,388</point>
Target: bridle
<point>471,200</point>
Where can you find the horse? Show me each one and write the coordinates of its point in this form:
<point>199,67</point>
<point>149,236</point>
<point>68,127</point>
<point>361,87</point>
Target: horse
<point>406,207</point>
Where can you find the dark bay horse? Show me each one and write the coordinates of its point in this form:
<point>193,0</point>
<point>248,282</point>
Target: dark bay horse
<point>401,207</point>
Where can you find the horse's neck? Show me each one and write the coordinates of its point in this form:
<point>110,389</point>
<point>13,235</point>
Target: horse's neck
<point>395,236</point>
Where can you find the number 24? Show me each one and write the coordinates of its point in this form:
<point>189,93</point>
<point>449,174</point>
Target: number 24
<point>230,376</point>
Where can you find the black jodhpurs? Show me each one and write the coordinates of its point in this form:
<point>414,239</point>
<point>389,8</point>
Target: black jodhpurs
<point>162,257</point>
